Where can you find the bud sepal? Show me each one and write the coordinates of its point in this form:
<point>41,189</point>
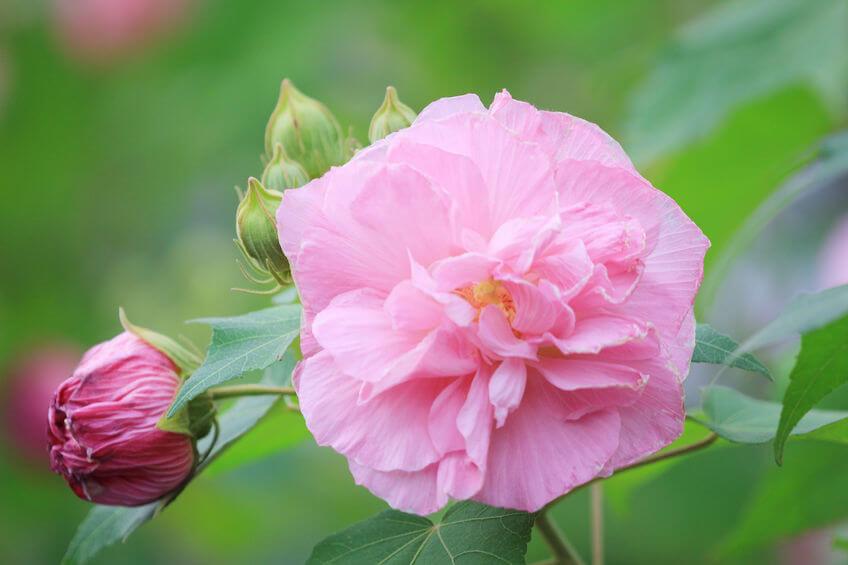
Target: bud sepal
<point>307,130</point>
<point>391,116</point>
<point>283,172</point>
<point>256,228</point>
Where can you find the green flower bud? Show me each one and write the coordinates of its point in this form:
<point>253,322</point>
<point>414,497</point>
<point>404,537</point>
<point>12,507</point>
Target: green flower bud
<point>390,117</point>
<point>282,173</point>
<point>256,228</point>
<point>307,130</point>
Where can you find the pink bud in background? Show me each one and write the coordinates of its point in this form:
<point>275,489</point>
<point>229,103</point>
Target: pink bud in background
<point>833,257</point>
<point>102,433</point>
<point>32,377</point>
<point>99,31</point>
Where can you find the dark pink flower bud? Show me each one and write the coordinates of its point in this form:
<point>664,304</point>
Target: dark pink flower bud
<point>103,432</point>
<point>31,379</point>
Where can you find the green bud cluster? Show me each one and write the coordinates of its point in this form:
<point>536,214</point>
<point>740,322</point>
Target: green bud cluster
<point>303,140</point>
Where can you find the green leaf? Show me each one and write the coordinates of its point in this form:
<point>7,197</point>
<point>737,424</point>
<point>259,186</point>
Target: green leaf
<point>822,366</point>
<point>742,419</point>
<point>241,344</point>
<point>805,313</point>
<point>106,525</point>
<point>469,533</point>
<point>734,54</point>
<point>716,348</point>
<point>810,492</point>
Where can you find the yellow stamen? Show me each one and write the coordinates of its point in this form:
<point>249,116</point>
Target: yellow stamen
<point>489,293</point>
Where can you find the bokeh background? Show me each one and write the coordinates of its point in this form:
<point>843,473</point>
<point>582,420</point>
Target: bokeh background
<point>125,125</point>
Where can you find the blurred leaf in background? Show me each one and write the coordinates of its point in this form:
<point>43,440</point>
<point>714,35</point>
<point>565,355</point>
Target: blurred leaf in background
<point>741,51</point>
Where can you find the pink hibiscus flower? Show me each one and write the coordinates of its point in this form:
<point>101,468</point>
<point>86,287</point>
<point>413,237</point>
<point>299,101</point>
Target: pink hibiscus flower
<point>496,307</point>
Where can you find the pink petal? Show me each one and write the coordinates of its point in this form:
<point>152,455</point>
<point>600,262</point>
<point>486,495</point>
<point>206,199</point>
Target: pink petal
<point>443,417</point>
<point>655,420</point>
<point>592,335</point>
<point>468,193</point>
<point>572,138</point>
<point>360,336</point>
<point>496,335</point>
<point>535,313</point>
<point>569,269</point>
<point>517,116</point>
<point>506,388</point>
<point>445,107</point>
<point>415,492</point>
<point>462,270</point>
<point>458,476</point>
<point>538,455</point>
<point>390,432</point>
<point>474,419</point>
<point>592,385</point>
<point>442,353</point>
<point>402,209</point>
<point>412,310</point>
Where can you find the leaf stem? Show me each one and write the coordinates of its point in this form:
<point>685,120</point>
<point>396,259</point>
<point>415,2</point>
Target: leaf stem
<point>249,390</point>
<point>597,517</point>
<point>564,552</point>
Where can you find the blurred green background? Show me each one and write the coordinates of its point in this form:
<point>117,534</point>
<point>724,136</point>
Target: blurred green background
<point>117,176</point>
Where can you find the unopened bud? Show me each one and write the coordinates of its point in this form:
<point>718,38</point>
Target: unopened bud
<point>256,228</point>
<point>392,116</point>
<point>282,172</point>
<point>104,432</point>
<point>307,130</point>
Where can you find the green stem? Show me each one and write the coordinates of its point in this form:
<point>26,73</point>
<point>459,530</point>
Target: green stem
<point>597,518</point>
<point>564,552</point>
<point>249,390</point>
<point>698,445</point>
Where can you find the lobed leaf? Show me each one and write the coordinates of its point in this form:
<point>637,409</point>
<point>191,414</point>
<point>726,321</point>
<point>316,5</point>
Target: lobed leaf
<point>240,344</point>
<point>469,533</point>
<point>822,366</point>
<point>718,349</point>
<point>106,525</point>
<point>742,419</point>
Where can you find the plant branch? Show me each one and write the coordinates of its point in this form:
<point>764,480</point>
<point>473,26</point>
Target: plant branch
<point>698,445</point>
<point>564,553</point>
<point>249,390</point>
<point>597,516</point>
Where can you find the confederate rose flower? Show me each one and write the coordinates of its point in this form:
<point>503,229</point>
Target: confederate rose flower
<point>31,379</point>
<point>496,307</point>
<point>102,425</point>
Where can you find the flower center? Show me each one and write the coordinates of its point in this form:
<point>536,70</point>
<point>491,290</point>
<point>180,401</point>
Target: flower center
<point>489,293</point>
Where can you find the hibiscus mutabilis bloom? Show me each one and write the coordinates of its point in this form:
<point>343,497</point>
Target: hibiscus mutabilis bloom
<point>497,306</point>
